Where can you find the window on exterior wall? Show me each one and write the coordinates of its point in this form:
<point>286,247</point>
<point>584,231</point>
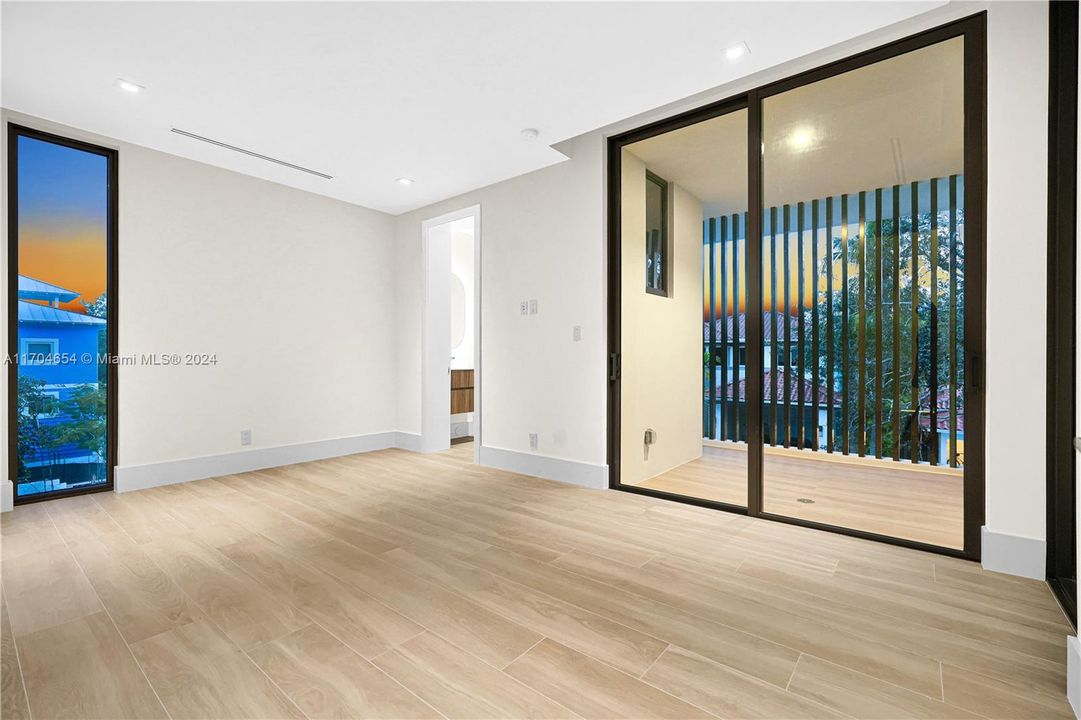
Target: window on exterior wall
<point>39,352</point>
<point>656,234</point>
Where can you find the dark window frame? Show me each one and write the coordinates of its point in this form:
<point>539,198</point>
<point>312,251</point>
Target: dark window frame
<point>973,29</point>
<point>14,132</point>
<point>1061,563</point>
<point>665,248</point>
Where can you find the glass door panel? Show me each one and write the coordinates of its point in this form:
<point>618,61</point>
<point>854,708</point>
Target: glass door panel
<point>864,295</point>
<point>683,205</point>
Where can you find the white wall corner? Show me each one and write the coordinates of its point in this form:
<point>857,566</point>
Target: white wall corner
<point>140,477</point>
<point>407,441</point>
<point>7,496</point>
<point>543,466</point>
<point>1073,673</point>
<point>1013,554</point>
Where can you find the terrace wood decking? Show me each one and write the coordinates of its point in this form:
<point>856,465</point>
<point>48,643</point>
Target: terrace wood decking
<point>398,585</point>
<point>914,502</point>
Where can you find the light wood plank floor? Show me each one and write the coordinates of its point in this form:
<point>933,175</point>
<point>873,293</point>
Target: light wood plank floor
<point>395,585</point>
<point>914,502</point>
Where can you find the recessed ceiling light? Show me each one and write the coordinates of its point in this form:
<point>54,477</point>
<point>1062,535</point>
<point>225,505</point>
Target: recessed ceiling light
<point>404,181</point>
<point>530,133</point>
<point>737,51</point>
<point>129,86</point>
<point>801,138</point>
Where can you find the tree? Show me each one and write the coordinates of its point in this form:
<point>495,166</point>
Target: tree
<point>896,380</point>
<point>99,308</point>
<point>37,440</point>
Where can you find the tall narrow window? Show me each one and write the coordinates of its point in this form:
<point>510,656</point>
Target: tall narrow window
<point>61,236</point>
<point>656,234</point>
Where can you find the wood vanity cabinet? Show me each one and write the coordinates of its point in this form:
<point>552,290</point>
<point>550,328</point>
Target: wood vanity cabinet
<point>461,391</point>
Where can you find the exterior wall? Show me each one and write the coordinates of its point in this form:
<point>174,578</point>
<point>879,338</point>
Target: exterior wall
<point>75,341</point>
<point>662,355</point>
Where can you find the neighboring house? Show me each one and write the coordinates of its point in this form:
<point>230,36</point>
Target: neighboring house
<point>942,411</point>
<point>60,348</point>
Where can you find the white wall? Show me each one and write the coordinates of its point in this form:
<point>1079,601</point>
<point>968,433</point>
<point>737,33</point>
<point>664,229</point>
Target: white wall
<point>291,291</point>
<point>1017,77</point>
<point>661,353</point>
<point>542,239</point>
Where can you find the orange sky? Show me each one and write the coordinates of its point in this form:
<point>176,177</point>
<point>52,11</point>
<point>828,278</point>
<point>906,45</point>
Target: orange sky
<point>74,259</point>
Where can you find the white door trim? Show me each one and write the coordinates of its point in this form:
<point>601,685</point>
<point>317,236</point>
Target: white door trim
<point>435,352</point>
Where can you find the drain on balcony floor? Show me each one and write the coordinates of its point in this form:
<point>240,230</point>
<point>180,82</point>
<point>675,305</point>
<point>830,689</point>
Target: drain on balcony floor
<point>807,501</point>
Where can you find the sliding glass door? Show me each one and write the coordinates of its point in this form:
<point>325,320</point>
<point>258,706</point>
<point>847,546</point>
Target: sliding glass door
<point>863,192</point>
<point>62,213</point>
<point>683,220</point>
<point>841,295</point>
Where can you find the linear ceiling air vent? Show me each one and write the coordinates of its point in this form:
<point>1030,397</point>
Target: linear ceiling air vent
<point>234,148</point>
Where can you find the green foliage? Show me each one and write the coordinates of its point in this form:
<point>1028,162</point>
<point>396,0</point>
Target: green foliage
<point>914,293</point>
<point>46,425</point>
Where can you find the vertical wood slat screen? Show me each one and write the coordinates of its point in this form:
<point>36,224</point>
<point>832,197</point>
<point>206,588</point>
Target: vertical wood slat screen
<point>838,292</point>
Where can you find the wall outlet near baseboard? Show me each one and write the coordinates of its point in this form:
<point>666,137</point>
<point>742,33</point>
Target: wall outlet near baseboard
<point>532,441</point>
<point>245,437</point>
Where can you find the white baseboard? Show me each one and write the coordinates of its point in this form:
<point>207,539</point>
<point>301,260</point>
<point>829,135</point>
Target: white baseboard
<point>7,496</point>
<point>407,441</point>
<point>1013,554</point>
<point>544,466</point>
<point>140,477</point>
<point>1073,673</point>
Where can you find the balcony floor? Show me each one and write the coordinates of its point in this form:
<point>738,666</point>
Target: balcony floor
<point>914,502</point>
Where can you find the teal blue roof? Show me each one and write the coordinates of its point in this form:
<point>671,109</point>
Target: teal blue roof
<point>33,289</point>
<point>43,314</point>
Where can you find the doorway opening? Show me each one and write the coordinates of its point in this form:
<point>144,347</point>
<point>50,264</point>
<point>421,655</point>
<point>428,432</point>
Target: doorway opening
<point>450,384</point>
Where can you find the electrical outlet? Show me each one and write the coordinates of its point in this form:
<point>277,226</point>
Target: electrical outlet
<point>245,437</point>
<point>532,441</point>
<point>532,307</point>
<point>525,307</point>
<point>577,333</point>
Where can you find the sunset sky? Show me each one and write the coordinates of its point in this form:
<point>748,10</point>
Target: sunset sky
<point>63,206</point>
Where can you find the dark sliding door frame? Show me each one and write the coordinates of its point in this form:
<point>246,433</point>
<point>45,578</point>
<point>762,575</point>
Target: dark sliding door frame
<point>1062,306</point>
<point>973,29</point>
<point>14,132</point>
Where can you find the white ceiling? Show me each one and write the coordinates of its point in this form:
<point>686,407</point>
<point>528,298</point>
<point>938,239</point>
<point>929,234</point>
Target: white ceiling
<point>368,92</point>
<point>896,121</point>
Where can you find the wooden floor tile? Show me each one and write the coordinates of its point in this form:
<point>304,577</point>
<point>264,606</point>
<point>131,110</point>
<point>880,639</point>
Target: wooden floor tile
<point>461,686</point>
<point>326,679</point>
<point>593,689</point>
<point>198,673</point>
<point>83,669</point>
